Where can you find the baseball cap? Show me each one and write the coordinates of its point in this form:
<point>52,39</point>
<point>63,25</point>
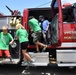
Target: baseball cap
<point>41,16</point>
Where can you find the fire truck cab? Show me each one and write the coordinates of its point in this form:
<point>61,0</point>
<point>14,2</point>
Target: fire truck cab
<point>63,34</point>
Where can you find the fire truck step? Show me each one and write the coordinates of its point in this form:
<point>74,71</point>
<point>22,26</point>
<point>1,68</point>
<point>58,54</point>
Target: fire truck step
<point>40,59</point>
<point>67,64</point>
<point>7,61</point>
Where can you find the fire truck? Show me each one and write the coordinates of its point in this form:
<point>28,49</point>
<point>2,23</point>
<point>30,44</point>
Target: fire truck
<point>62,49</point>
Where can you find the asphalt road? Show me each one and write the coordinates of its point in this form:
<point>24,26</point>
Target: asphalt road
<point>18,70</point>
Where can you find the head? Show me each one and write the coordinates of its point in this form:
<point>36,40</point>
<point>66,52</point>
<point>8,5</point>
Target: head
<point>19,26</point>
<point>41,17</point>
<point>30,17</point>
<point>5,29</point>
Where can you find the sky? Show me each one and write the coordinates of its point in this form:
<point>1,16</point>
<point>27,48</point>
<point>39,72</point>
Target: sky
<point>22,4</point>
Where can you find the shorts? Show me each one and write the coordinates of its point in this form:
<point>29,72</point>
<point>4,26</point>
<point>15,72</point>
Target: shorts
<point>37,36</point>
<point>24,45</point>
<point>6,52</point>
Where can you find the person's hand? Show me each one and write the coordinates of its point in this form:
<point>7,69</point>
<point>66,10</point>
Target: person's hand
<point>11,42</point>
<point>46,29</point>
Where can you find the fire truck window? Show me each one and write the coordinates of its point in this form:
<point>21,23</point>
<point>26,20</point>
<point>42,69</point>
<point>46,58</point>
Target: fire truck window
<point>68,15</point>
<point>75,11</point>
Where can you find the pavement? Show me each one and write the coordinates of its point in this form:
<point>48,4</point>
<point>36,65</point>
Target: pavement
<point>20,70</point>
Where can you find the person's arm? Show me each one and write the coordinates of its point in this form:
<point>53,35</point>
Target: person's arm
<point>47,26</point>
<point>11,42</point>
<point>11,38</point>
<point>16,36</point>
<point>30,27</point>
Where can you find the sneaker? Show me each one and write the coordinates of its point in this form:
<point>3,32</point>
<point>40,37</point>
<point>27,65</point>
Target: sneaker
<point>36,51</point>
<point>11,60</point>
<point>31,63</point>
<point>44,48</point>
<point>33,60</point>
<point>24,63</point>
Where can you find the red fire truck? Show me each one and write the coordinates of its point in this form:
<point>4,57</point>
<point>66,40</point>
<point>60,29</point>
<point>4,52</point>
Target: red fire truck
<point>62,50</point>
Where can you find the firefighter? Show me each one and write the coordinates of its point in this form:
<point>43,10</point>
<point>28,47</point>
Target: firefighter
<point>22,35</point>
<point>34,25</point>
<point>5,39</point>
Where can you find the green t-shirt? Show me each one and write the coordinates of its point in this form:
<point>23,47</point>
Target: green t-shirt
<point>22,35</point>
<point>34,24</point>
<point>4,41</point>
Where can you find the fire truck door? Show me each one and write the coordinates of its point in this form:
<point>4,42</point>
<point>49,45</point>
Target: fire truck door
<point>54,30</point>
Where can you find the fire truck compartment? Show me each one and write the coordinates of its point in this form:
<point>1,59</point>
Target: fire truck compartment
<point>66,57</point>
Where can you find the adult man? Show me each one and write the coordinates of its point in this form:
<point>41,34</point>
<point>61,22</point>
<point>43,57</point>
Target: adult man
<point>34,25</point>
<point>5,39</point>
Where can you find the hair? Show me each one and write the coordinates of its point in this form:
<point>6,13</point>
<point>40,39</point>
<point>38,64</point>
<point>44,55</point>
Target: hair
<point>30,17</point>
<point>4,28</point>
<point>19,26</point>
